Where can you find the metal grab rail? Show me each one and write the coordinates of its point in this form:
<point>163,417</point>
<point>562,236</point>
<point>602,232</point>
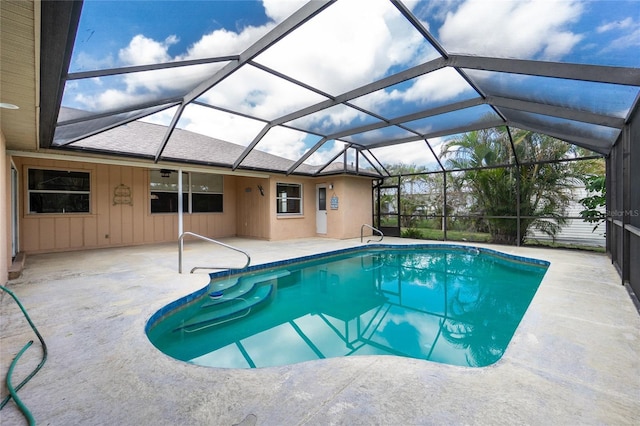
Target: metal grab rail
<point>180,249</point>
<point>374,230</point>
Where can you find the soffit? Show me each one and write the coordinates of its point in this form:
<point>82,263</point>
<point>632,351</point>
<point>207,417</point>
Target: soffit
<point>19,32</point>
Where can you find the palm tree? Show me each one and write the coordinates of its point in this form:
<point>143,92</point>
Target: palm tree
<point>488,161</point>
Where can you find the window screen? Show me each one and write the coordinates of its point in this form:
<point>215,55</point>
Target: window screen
<point>59,191</point>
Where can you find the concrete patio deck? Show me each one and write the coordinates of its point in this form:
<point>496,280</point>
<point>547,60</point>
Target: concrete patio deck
<point>575,358</point>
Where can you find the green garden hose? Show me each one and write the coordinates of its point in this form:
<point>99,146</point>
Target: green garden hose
<point>13,391</point>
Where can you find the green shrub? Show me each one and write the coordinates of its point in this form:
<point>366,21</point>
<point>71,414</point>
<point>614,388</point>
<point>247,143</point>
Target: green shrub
<point>411,233</point>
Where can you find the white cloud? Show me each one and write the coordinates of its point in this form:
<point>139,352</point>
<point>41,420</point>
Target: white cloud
<point>430,89</point>
<point>257,93</point>
<point>279,10</point>
<point>110,99</point>
<point>142,51</point>
<point>284,143</point>
<point>162,118</point>
<point>616,25</point>
<point>323,155</point>
<point>436,86</point>
<point>224,42</point>
<point>625,35</point>
<point>346,46</point>
<point>628,41</point>
<point>532,29</point>
<point>412,153</point>
<point>220,125</point>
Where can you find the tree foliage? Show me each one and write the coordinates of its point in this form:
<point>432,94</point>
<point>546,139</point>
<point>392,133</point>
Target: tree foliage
<point>544,185</point>
<point>595,201</point>
<point>421,192</point>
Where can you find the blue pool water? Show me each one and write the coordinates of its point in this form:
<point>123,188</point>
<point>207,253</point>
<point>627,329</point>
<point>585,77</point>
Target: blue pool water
<point>448,304</point>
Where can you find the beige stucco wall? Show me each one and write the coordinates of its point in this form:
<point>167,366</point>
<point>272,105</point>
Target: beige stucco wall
<point>285,227</point>
<point>5,219</point>
<point>354,208</point>
<point>114,225</point>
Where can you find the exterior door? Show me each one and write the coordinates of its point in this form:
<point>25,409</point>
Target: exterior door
<point>387,209</point>
<point>14,213</point>
<point>321,209</point>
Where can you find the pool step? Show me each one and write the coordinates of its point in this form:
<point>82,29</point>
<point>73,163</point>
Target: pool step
<point>227,310</point>
<point>223,293</point>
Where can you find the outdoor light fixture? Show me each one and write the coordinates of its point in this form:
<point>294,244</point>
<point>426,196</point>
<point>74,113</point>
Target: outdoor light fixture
<point>165,173</point>
<point>8,106</point>
<point>261,190</point>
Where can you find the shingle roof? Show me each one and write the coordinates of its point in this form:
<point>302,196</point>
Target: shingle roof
<point>142,139</point>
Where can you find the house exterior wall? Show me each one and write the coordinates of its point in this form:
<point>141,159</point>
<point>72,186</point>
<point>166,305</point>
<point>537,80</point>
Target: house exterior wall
<point>247,212</point>
<point>253,208</point>
<point>354,207</point>
<point>5,219</point>
<point>111,224</point>
<point>285,227</point>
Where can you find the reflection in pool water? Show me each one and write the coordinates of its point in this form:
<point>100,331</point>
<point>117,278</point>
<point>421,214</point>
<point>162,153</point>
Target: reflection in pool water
<point>441,303</point>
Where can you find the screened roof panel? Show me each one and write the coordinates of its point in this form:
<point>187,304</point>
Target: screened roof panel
<point>333,120</point>
<point>218,124</point>
<point>347,46</point>
<point>286,143</point>
<point>432,90</point>
<point>260,94</point>
<point>588,32</point>
<point>148,138</point>
<point>122,91</point>
<point>613,100</point>
<point>411,153</point>
<point>385,134</point>
<point>325,153</point>
<point>532,147</point>
<point>77,129</point>
<point>114,34</point>
<point>597,138</point>
<point>281,76</point>
<point>368,165</point>
<point>479,116</point>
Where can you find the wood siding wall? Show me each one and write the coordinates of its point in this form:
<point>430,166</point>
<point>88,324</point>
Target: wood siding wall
<point>253,208</point>
<point>111,224</point>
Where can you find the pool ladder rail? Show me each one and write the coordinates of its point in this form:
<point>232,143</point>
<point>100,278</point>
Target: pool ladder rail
<point>181,247</point>
<point>379,232</point>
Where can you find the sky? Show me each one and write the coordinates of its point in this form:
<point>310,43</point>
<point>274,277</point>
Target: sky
<point>342,48</point>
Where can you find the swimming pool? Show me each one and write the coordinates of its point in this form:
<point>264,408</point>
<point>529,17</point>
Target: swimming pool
<point>443,303</point>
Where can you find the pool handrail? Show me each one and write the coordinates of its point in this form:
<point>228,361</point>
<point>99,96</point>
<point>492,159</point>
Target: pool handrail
<point>180,250</point>
<point>373,229</point>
